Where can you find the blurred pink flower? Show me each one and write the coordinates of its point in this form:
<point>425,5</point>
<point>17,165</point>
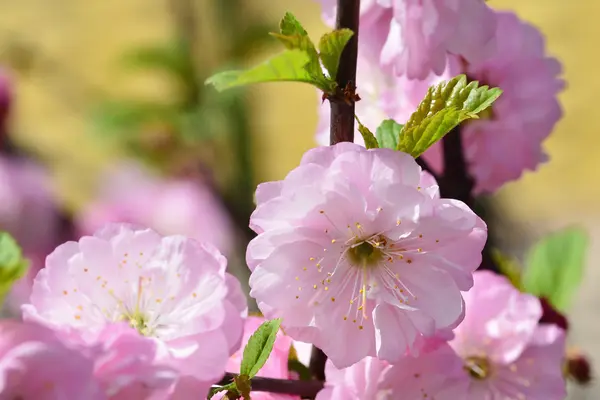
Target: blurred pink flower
<point>499,351</point>
<point>414,37</point>
<point>172,289</point>
<point>35,364</point>
<point>275,367</point>
<point>363,380</point>
<point>170,206</point>
<point>359,256</point>
<point>28,212</point>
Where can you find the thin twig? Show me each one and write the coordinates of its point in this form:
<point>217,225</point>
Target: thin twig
<point>342,107</point>
<point>304,389</point>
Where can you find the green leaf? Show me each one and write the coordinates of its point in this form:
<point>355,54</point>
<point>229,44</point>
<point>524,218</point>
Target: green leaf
<point>388,134</point>
<point>331,46</point>
<point>368,137</point>
<point>554,266</point>
<point>12,264</point>
<point>259,347</point>
<point>284,67</point>
<point>289,25</point>
<point>299,42</point>
<point>418,138</point>
<point>444,107</point>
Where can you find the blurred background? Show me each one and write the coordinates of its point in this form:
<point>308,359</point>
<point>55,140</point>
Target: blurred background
<point>108,97</point>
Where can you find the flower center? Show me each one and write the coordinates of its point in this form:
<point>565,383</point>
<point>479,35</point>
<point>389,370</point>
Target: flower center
<point>478,367</point>
<point>364,254</point>
<point>139,322</point>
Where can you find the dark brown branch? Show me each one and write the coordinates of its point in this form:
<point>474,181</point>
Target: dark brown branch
<point>426,167</point>
<point>457,183</point>
<point>342,106</point>
<point>317,363</point>
<point>304,389</point>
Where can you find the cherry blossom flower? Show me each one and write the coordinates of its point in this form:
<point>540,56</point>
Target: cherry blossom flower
<point>128,365</point>
<point>35,364</point>
<point>275,367</point>
<point>28,212</point>
<point>415,37</point>
<point>499,351</point>
<point>363,380</point>
<point>178,206</point>
<point>523,116</point>
<point>171,289</point>
<point>359,255</point>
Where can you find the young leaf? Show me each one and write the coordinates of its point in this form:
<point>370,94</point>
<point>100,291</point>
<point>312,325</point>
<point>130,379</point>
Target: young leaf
<point>299,42</point>
<point>368,137</point>
<point>444,107</point>
<point>388,134</point>
<point>418,138</point>
<point>554,266</point>
<point>287,66</point>
<point>259,347</point>
<point>289,25</point>
<point>12,264</point>
<point>454,93</point>
<point>330,48</point>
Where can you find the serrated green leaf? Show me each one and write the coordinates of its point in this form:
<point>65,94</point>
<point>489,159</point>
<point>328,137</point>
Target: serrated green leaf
<point>300,42</point>
<point>444,107</point>
<point>418,138</point>
<point>331,46</point>
<point>554,266</point>
<point>368,137</point>
<point>289,25</point>
<point>454,93</point>
<point>284,67</point>
<point>259,347</point>
<point>388,134</point>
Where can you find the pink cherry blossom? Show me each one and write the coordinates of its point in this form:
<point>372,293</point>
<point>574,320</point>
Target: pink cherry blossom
<point>172,289</point>
<point>415,37</point>
<point>499,350</point>
<point>275,367</point>
<point>28,213</point>
<point>177,206</point>
<point>36,365</point>
<point>363,380</point>
<point>523,116</point>
<point>128,365</point>
<point>360,256</point>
